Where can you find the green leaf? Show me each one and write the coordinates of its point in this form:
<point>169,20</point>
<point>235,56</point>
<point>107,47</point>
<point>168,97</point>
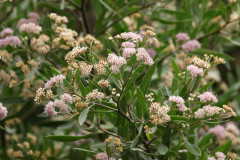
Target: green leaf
<point>175,67</point>
<point>1,128</point>
<point>135,141</point>
<point>174,84</point>
<point>141,106</point>
<point>174,117</point>
<point>54,71</point>
<point>66,138</point>
<point>224,148</point>
<point>203,51</point>
<point>83,116</point>
<point>164,21</point>
<point>205,140</point>
<point>85,150</point>
<point>191,148</point>
<point>133,77</point>
<point>147,78</point>
<point>206,86</point>
<point>162,149</point>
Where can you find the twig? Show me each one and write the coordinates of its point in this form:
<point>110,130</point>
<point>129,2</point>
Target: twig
<point>84,16</point>
<point>75,5</point>
<point>217,31</point>
<point>120,18</point>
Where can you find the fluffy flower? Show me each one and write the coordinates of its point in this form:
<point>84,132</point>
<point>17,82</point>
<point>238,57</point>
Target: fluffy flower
<point>6,32</point>
<point>158,113</point>
<point>3,112</point>
<point>128,52</point>
<point>151,52</point>
<point>54,80</point>
<point>11,41</point>
<point>131,35</point>
<point>207,111</point>
<point>143,55</point>
<point>195,71</point>
<point>116,62</point>
<point>49,109</point>
<point>33,15</point>
<point>182,37</point>
<point>66,98</point>
<point>128,45</point>
<point>208,97</point>
<point>102,156</point>
<point>220,156</point>
<point>61,105</point>
<point>190,45</point>
<point>179,102</point>
<point>30,28</point>
<point>218,131</point>
<point>95,94</point>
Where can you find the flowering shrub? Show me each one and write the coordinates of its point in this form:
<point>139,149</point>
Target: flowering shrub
<point>141,92</point>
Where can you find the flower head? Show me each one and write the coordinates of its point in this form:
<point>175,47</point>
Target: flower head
<point>190,45</point>
<point>102,156</point>
<point>218,131</point>
<point>208,97</point>
<point>195,71</point>
<point>3,112</point>
<point>182,37</point>
<point>179,102</point>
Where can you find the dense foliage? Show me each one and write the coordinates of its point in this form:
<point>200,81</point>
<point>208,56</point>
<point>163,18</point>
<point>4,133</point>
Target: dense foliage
<point>134,79</point>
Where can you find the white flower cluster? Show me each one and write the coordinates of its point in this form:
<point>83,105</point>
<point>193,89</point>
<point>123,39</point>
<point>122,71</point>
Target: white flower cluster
<point>158,114</point>
<point>208,111</point>
<point>95,94</point>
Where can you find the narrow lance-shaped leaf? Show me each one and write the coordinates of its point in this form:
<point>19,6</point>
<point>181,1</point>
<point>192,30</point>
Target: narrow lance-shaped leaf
<point>83,116</point>
<point>191,148</point>
<point>135,141</point>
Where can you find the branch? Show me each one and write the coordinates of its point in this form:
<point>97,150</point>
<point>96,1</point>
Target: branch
<point>217,31</point>
<point>75,5</point>
<point>119,19</point>
<point>84,16</point>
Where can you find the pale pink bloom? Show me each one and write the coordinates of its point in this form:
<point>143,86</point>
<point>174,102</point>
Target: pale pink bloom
<point>33,15</point>
<point>195,71</point>
<point>128,52</point>
<point>61,105</point>
<point>218,131</point>
<point>102,156</point>
<point>30,28</point>
<point>208,111</point>
<point>54,80</point>
<point>116,62</point>
<point>66,98</point>
<point>208,97</point>
<point>3,112</point>
<point>190,45</point>
<point>128,45</point>
<point>49,109</point>
<point>179,102</point>
<point>143,55</point>
<point>220,156</point>
<point>10,41</point>
<point>131,35</point>
<point>201,132</point>
<point>211,158</point>
<point>6,32</point>
<point>151,52</point>
<point>95,94</point>
<point>23,20</point>
<point>182,37</point>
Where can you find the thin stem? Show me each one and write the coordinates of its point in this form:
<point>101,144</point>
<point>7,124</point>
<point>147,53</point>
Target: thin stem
<point>84,16</point>
<point>75,5</point>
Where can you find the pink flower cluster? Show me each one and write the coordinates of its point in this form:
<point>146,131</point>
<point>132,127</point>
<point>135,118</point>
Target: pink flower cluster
<point>190,45</point>
<point>49,108</point>
<point>182,37</point>
<point>207,111</point>
<point>195,71</point>
<point>10,41</point>
<point>151,52</point>
<point>143,55</point>
<point>54,80</point>
<point>131,35</point>
<point>66,98</point>
<point>208,97</point>
<point>128,49</point>
<point>6,32</point>
<point>3,112</point>
<point>95,94</point>
<point>102,156</point>
<point>116,62</point>
<point>220,156</point>
<point>33,18</point>
<point>30,28</point>
<point>218,131</point>
<point>179,101</point>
